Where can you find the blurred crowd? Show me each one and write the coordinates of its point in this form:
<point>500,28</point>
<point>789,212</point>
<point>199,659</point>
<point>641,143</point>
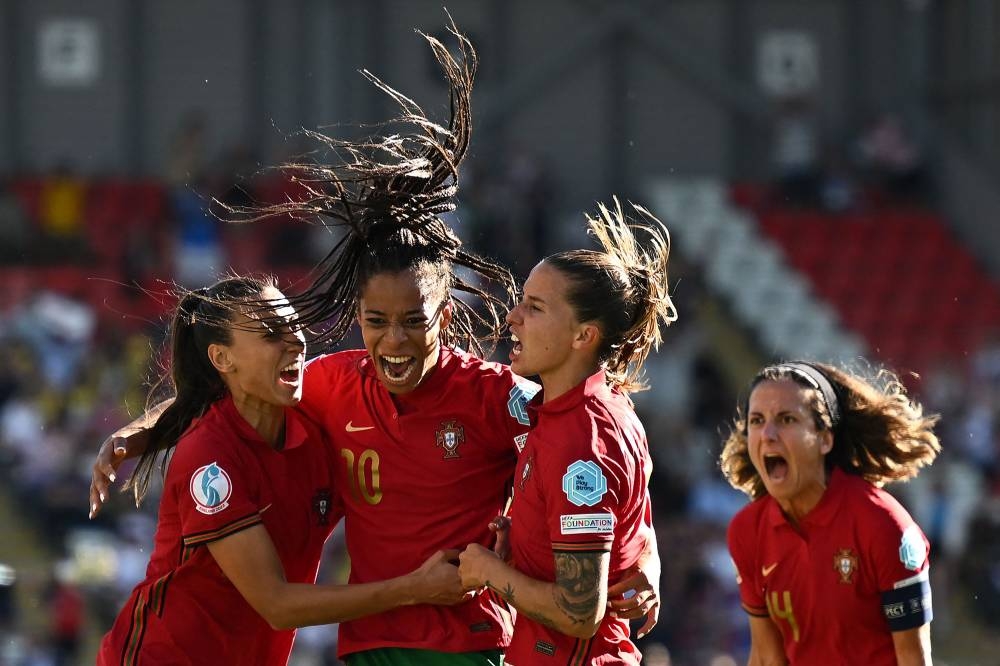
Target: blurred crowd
<point>77,355</point>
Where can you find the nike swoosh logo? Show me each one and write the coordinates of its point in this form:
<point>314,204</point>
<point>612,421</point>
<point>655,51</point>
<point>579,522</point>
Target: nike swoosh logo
<point>767,570</point>
<point>350,427</point>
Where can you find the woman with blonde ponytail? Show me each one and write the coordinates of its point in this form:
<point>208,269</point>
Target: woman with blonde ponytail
<point>584,325</point>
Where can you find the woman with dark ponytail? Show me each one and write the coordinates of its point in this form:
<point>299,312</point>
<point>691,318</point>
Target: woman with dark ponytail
<point>585,324</point>
<point>426,432</point>
<point>248,498</point>
<point>831,568</point>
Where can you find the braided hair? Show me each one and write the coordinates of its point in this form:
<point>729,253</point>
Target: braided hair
<point>388,194</point>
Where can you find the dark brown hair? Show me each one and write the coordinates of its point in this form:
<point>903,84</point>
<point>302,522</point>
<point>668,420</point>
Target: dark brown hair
<point>623,288</point>
<point>203,317</point>
<point>882,436</point>
<point>388,194</point>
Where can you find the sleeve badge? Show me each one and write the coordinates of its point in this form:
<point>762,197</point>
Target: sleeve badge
<point>912,551</point>
<point>584,483</point>
<point>211,489</point>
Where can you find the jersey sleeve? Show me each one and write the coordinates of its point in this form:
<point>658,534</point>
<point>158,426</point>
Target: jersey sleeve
<point>216,496</point>
<point>900,562</point>
<point>584,493</point>
<point>741,548</point>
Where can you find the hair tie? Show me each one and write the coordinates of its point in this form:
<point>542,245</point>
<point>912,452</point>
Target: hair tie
<point>813,376</point>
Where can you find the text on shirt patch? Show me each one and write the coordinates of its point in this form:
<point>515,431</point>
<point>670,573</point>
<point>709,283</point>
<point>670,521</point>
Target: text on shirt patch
<point>450,437</point>
<point>587,523</point>
<point>584,483</point>
<point>520,441</point>
<point>210,488</point>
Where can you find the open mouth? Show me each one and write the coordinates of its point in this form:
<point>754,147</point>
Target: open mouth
<point>515,350</point>
<point>776,467</point>
<point>290,373</point>
<point>397,369</point>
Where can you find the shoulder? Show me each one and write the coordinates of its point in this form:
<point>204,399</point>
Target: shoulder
<point>325,372</point>
<point>209,440</point>
<point>609,418</point>
<point>745,532</point>
<point>493,381</point>
<point>493,373</point>
<point>747,520</point>
<point>337,363</point>
<point>873,504</point>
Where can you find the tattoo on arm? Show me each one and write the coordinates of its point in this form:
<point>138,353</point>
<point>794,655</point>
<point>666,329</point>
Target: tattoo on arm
<point>578,585</point>
<point>507,594</point>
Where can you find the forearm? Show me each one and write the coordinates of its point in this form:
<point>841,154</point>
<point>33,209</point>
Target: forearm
<point>547,602</point>
<point>913,647</point>
<point>292,605</point>
<point>136,433</point>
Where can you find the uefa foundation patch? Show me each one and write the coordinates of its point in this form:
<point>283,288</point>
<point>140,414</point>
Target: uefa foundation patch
<point>211,489</point>
<point>587,523</point>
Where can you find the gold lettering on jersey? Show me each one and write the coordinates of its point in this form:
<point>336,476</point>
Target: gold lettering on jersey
<point>845,563</point>
<point>364,478</point>
<point>450,437</point>
<point>783,611</point>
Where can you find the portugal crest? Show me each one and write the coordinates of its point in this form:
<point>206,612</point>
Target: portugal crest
<point>450,437</point>
<point>845,563</point>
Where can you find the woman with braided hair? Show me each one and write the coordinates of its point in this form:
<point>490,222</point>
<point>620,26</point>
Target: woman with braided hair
<point>831,569</point>
<point>425,433</point>
<point>584,325</point>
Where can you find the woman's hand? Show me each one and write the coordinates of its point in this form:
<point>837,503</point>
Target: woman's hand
<point>635,597</point>
<point>103,474</point>
<point>436,581</point>
<point>500,526</point>
<point>474,566</point>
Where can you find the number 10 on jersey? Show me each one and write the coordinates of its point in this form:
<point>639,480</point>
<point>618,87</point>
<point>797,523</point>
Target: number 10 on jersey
<point>363,475</point>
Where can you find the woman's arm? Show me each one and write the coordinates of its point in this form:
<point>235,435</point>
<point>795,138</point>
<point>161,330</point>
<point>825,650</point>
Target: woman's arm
<point>250,561</point>
<point>573,605</point>
<point>913,646</point>
<point>130,441</point>
<point>644,586</point>
<point>766,646</point>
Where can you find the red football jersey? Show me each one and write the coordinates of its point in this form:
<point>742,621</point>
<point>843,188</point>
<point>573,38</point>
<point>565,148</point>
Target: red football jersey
<point>224,478</point>
<point>417,473</point>
<point>581,485</point>
<point>831,586</point>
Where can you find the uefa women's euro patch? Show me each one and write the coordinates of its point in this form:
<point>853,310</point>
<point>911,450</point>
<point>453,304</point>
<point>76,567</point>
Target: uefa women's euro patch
<point>211,489</point>
<point>911,548</point>
<point>584,483</point>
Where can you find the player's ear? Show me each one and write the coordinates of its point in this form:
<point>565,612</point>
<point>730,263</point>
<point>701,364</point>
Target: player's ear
<point>220,358</point>
<point>446,313</point>
<point>588,337</point>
